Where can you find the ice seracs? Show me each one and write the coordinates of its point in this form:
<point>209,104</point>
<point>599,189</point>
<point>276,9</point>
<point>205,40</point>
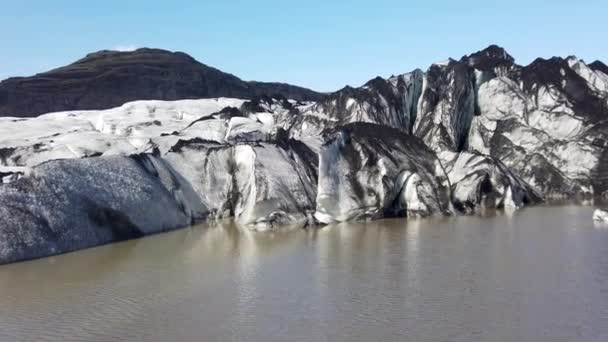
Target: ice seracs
<point>392,102</point>
<point>447,107</point>
<point>262,185</point>
<point>371,171</point>
<point>545,121</point>
<point>480,182</point>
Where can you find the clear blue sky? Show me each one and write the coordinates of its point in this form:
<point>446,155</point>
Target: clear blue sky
<point>315,43</point>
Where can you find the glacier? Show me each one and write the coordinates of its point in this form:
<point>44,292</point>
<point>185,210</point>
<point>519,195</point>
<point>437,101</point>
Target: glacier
<point>466,135</point>
<point>65,205</point>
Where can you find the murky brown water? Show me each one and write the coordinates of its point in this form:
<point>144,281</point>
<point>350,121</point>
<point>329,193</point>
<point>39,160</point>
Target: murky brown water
<point>540,274</point>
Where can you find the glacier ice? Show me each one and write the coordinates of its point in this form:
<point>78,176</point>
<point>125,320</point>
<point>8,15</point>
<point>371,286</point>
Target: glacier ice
<point>370,171</point>
<point>600,215</point>
<point>64,205</point>
<point>479,132</point>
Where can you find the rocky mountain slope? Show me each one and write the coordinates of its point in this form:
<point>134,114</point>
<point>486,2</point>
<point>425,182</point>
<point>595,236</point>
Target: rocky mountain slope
<point>108,79</point>
<point>467,135</point>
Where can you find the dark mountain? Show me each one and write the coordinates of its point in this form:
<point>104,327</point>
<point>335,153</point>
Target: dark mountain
<point>107,79</point>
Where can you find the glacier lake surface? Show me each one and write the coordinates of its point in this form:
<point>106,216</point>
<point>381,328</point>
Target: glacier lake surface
<point>539,274</point>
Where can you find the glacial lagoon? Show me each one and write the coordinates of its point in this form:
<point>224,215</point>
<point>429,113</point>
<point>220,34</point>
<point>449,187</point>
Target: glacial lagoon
<point>538,274</point>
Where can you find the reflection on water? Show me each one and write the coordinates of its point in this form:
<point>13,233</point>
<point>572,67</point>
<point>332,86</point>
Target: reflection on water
<point>539,274</point>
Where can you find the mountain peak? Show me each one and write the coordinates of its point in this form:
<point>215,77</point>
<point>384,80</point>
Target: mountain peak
<point>141,53</point>
<point>489,58</point>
